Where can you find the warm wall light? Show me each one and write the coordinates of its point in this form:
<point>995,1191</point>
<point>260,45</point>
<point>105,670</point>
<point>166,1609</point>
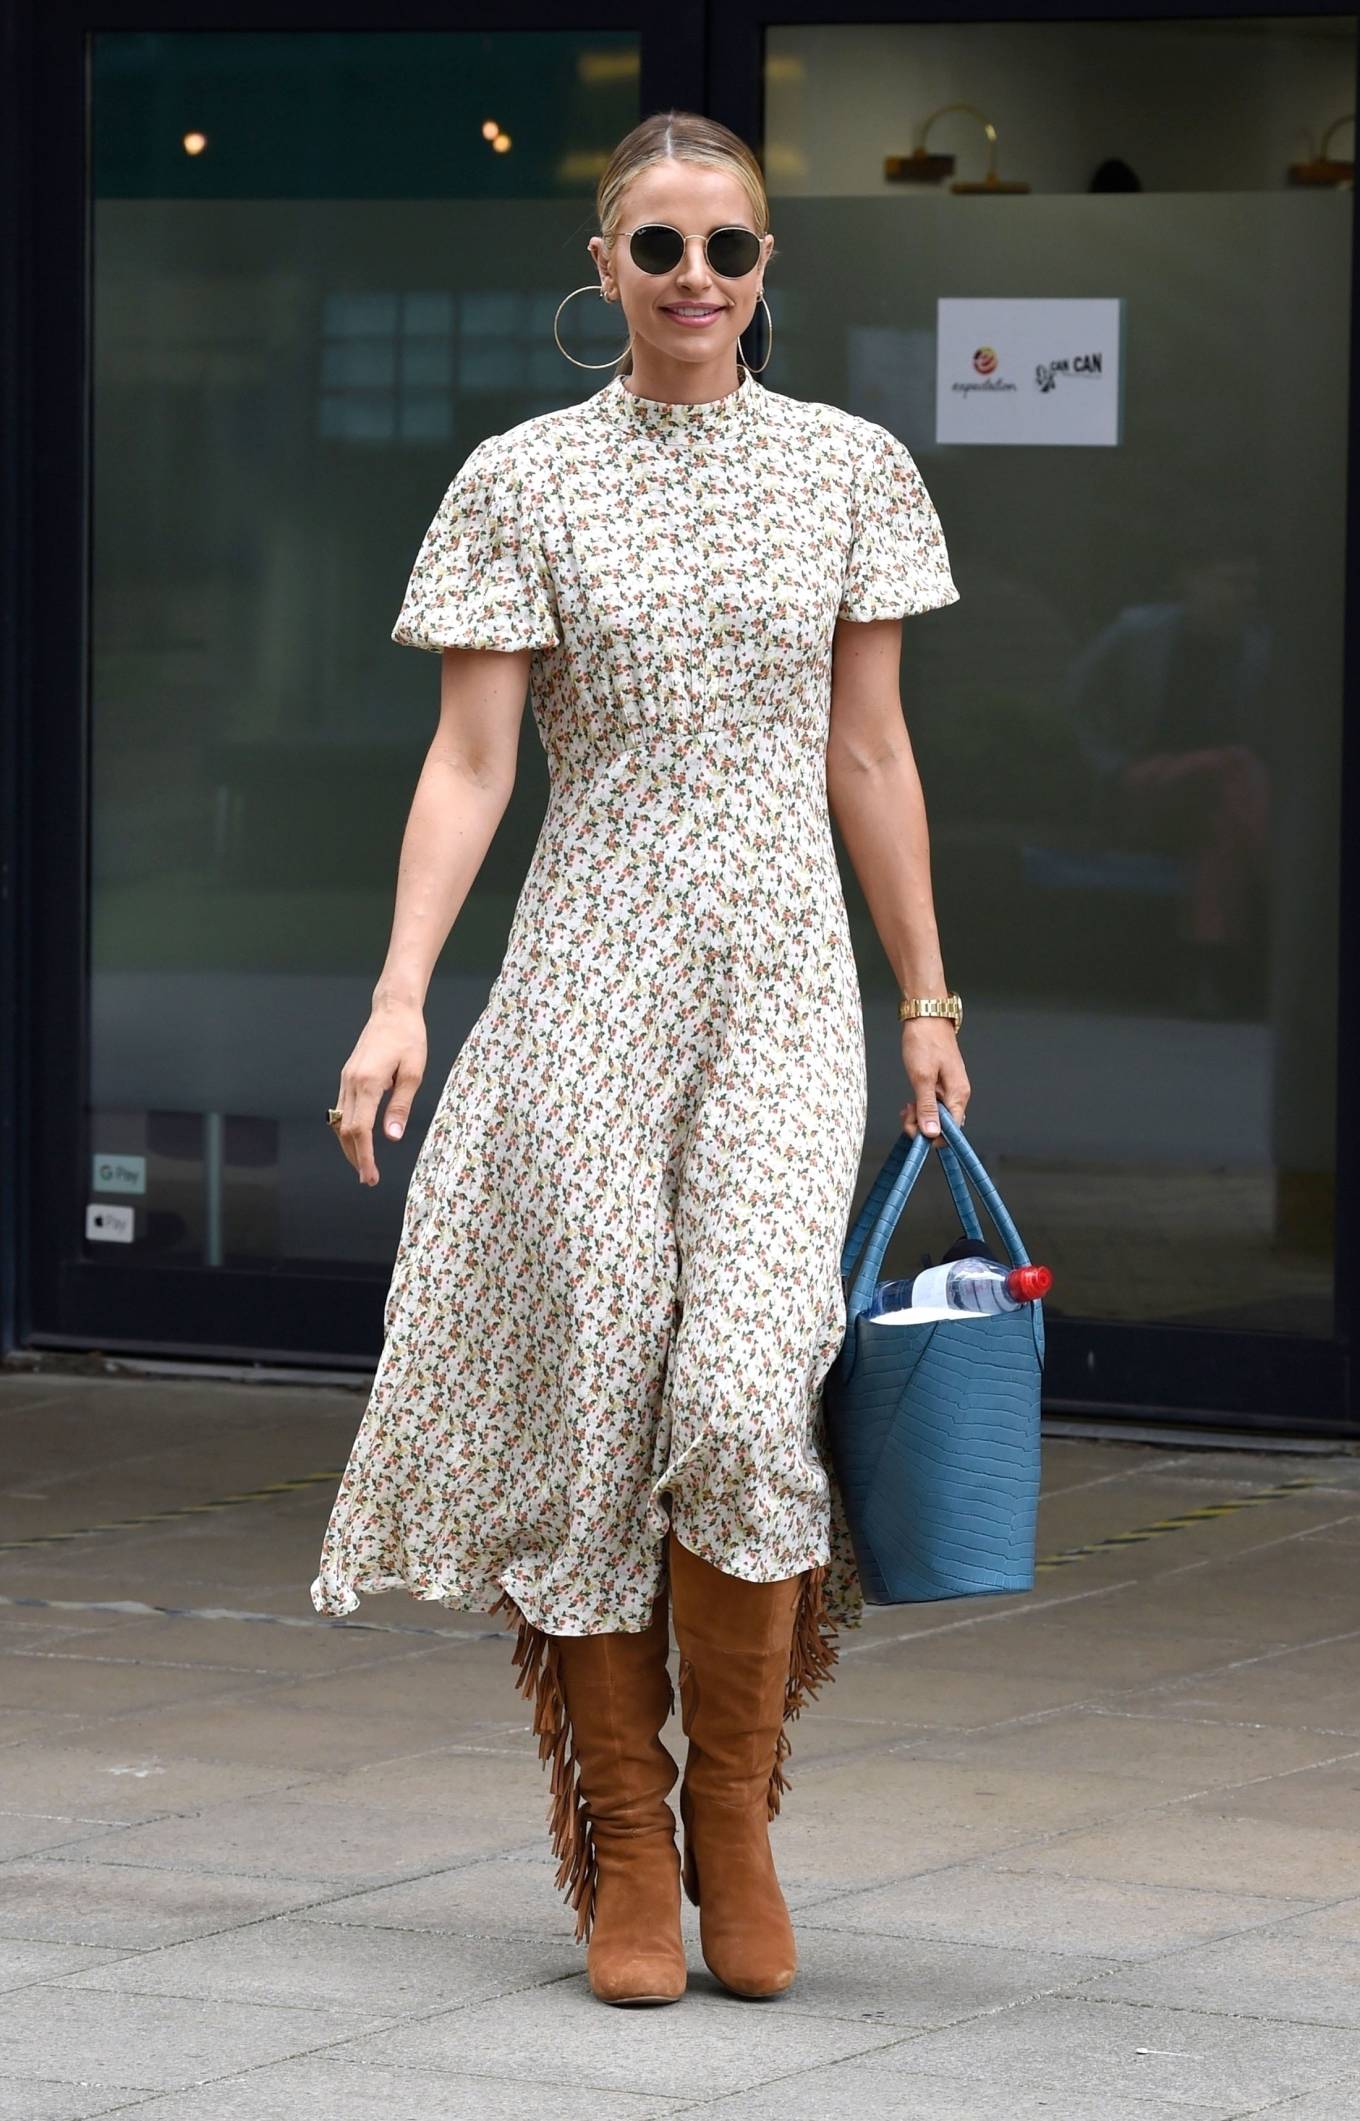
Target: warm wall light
<point>920,167</point>
<point>502,143</point>
<point>1320,172</point>
<point>194,143</point>
<point>489,128</point>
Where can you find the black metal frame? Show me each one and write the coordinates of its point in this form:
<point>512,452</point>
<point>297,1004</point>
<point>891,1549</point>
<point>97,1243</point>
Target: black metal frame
<point>694,56</point>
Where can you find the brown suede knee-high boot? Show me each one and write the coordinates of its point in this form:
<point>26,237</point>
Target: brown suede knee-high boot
<point>750,1653</point>
<point>599,1704</point>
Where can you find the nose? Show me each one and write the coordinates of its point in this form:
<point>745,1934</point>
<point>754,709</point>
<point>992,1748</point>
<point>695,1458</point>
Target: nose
<point>693,267</point>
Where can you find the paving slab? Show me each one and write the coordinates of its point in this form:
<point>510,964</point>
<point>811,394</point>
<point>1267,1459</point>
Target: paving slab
<point>51,1677</point>
<point>895,1814</point>
<point>1337,2102</point>
<point>1313,1686</point>
<point>103,1779</point>
<point>38,1833</point>
<point>1185,1844</point>
<point>704,2044</point>
<point>991,1903</point>
<point>508,1895</point>
<point>155,2043</point>
<point>1103,1739</point>
<point>1067,2044</point>
<point>875,2094</point>
<point>313,1965</point>
<point>133,1907</point>
<point>1284,1971</point>
<point>38,2099</point>
<point>314,2086</point>
<point>265,1731</point>
<point>341,1843</point>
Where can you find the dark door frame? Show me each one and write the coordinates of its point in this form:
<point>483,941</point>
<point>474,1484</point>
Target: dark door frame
<point>693,56</point>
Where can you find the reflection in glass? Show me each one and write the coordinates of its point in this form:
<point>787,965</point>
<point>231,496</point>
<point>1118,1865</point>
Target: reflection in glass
<point>1128,727</point>
<point>300,331</point>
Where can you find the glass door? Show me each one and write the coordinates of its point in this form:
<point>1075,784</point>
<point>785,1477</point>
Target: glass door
<point>324,266</point>
<point>1098,278</point>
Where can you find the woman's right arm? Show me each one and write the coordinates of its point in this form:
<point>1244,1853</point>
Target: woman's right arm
<point>460,799</point>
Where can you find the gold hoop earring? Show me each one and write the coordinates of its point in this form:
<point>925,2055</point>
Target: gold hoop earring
<point>562,349</point>
<point>769,330</point>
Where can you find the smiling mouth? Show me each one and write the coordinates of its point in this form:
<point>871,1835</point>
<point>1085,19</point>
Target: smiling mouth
<point>692,309</point>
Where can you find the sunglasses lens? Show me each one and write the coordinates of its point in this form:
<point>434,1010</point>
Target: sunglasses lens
<point>655,248</point>
<point>733,252</point>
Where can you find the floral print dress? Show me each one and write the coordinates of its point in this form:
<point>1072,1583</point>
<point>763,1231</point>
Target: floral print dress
<point>617,1289</point>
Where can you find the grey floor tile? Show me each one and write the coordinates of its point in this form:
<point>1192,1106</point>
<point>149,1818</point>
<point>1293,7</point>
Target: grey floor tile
<point>386,1972</point>
<point>288,2090</point>
<point>1090,1647</point>
<point>1335,2102</point>
<point>266,1731</point>
<point>1067,2044</point>
<point>22,1726</point>
<point>916,1981</point>
<point>158,2043</point>
<point>127,1906</point>
<point>38,2099</point>
<point>22,1961</point>
<point>1303,1689</point>
<point>1184,1844</point>
<point>893,1689</point>
<point>250,1645</point>
<point>345,1843</point>
<point>109,1780</point>
<point>1324,1796</point>
<point>1285,1971</point>
<point>985,1903</point>
<point>511,1895</point>
<point>703,2044</point>
<point>47,1677</point>
<point>896,1814</point>
<point>1181,1752</point>
<point>878,2094</point>
<point>33,1833</point>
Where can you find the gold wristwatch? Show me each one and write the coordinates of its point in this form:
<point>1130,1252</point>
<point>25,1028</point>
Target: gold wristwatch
<point>913,1005</point>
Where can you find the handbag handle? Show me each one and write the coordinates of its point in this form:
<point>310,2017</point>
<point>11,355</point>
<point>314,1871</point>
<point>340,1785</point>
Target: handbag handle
<point>878,1217</point>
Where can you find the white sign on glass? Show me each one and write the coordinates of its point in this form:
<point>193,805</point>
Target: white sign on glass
<point>1021,369</point>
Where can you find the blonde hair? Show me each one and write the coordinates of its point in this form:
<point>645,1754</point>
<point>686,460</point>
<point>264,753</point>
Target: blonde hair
<point>677,136</point>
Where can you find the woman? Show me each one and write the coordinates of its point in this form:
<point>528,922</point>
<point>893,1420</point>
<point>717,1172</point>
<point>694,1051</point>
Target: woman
<point>619,1272</point>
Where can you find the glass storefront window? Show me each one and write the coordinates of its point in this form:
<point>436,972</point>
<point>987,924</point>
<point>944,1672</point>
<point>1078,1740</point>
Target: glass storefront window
<point>324,267</point>
<point>1129,725</point>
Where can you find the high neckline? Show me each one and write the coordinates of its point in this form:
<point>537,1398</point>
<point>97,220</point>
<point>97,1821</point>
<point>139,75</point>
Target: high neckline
<point>625,404</point>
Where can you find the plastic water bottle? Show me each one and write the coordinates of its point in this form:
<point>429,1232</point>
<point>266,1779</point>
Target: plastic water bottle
<point>969,1285</point>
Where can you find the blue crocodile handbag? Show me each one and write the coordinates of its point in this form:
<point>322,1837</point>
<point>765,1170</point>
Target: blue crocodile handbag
<point>933,1429</point>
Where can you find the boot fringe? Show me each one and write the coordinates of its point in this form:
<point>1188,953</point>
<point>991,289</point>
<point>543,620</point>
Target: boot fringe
<point>536,1658</point>
<point>813,1655</point>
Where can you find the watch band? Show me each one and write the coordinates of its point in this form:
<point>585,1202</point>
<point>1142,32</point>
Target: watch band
<point>912,1006</point>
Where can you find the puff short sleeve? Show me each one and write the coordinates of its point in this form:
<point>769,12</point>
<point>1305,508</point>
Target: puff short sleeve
<point>481,578</point>
<point>897,563</point>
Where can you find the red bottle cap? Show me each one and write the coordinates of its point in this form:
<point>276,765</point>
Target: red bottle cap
<point>1029,1283</point>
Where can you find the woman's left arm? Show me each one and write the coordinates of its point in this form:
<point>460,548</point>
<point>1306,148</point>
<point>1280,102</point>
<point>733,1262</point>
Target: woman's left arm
<point>874,793</point>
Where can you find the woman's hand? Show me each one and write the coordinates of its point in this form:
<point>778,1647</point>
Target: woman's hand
<point>934,1065</point>
<point>390,1055</point>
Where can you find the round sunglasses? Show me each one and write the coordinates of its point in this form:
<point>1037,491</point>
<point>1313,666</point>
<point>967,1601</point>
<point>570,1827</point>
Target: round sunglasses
<point>732,252</point>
